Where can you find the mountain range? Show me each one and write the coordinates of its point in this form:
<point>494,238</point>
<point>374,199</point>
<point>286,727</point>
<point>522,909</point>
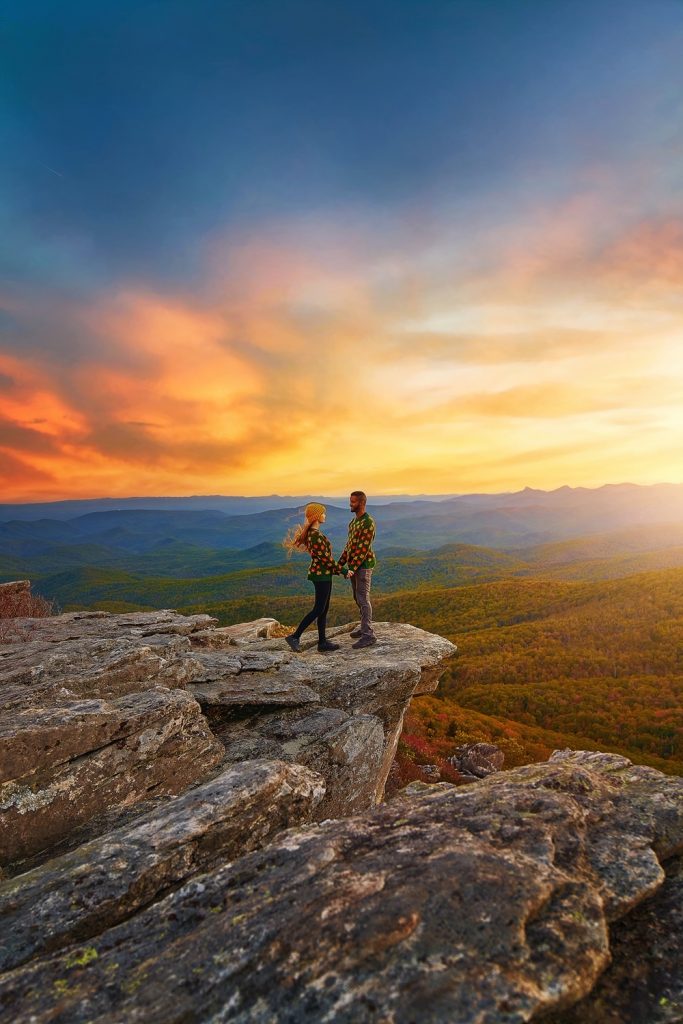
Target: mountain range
<point>181,538</point>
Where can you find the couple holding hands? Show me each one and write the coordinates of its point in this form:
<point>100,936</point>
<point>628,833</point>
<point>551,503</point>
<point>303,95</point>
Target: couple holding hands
<point>356,563</point>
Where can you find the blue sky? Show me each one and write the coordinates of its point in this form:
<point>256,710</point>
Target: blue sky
<point>137,128</point>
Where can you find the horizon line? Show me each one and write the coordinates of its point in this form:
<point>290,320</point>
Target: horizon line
<point>426,495</point>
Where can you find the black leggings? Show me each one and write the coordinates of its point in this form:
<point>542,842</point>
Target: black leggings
<point>323,592</point>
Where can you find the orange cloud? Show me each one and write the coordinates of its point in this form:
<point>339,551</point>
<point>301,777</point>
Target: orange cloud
<point>302,364</point>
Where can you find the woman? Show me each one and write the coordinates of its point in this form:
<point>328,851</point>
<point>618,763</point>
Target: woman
<point>320,572</point>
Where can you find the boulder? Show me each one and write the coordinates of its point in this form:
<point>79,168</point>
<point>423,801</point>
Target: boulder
<point>477,760</point>
<point>64,764</point>
<point>481,904</point>
<point>75,896</point>
<point>233,636</point>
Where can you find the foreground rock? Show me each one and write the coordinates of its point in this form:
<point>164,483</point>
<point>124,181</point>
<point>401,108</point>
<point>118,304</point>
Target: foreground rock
<point>102,882</point>
<point>644,982</point>
<point>481,904</point>
<point>146,759</point>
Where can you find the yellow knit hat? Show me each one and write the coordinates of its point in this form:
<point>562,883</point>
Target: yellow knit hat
<point>314,511</point>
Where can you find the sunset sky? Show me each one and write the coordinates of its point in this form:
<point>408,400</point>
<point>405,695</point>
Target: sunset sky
<point>298,246</point>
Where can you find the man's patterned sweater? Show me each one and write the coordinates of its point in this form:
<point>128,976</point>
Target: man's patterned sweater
<point>358,553</point>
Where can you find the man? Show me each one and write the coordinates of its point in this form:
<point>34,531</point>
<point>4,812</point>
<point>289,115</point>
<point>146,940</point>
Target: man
<point>360,558</point>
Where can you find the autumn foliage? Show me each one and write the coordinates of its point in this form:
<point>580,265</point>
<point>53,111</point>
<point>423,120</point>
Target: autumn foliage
<point>16,605</point>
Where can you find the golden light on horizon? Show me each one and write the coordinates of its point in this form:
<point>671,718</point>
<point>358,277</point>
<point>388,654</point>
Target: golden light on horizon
<point>294,375</point>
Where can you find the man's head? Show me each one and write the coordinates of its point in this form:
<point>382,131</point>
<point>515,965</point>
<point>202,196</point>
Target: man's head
<point>358,500</point>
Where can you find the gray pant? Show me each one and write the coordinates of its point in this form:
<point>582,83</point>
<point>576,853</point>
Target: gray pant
<point>360,581</point>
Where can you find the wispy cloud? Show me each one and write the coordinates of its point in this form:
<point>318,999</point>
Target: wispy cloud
<point>298,365</point>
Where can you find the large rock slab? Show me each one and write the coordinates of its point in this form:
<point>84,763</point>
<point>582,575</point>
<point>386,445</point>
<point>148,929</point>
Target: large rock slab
<point>632,808</point>
<point>75,625</point>
<point>250,689</point>
<point>477,905</point>
<point>68,656</point>
<point>75,896</point>
<point>251,678</point>
<point>39,671</point>
<point>376,683</point>
<point>150,743</point>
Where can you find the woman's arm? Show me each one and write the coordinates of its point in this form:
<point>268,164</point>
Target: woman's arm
<point>321,551</point>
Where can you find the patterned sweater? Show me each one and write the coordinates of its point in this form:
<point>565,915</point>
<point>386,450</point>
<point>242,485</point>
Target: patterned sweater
<point>323,566</point>
<point>358,553</point>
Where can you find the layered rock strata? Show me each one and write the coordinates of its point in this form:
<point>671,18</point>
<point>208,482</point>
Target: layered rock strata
<point>99,712</point>
<point>164,790</point>
<point>114,753</point>
<point>77,895</point>
<point>485,903</point>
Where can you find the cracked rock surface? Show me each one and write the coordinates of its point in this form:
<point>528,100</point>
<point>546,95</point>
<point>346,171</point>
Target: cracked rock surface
<point>478,904</point>
<point>189,832</point>
<point>100,883</point>
<point>99,712</point>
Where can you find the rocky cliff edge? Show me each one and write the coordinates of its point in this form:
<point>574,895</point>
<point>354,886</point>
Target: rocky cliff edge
<point>189,831</point>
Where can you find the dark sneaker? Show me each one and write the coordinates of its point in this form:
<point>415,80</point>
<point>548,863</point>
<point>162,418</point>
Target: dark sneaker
<point>327,645</point>
<point>356,634</point>
<point>293,641</point>
<point>365,641</point>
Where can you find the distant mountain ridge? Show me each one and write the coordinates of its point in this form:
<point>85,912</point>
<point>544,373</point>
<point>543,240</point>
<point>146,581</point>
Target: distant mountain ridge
<point>582,530</point>
<point>561,497</point>
<point>511,520</point>
<point>71,508</point>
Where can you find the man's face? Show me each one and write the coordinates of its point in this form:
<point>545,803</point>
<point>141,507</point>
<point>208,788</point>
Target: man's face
<point>355,502</point>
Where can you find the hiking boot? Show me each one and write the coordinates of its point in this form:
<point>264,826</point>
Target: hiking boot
<point>327,645</point>
<point>293,641</point>
<point>356,634</point>
<point>365,641</point>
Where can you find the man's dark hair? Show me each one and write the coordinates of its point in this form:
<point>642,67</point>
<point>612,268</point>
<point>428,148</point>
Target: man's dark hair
<point>359,494</point>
